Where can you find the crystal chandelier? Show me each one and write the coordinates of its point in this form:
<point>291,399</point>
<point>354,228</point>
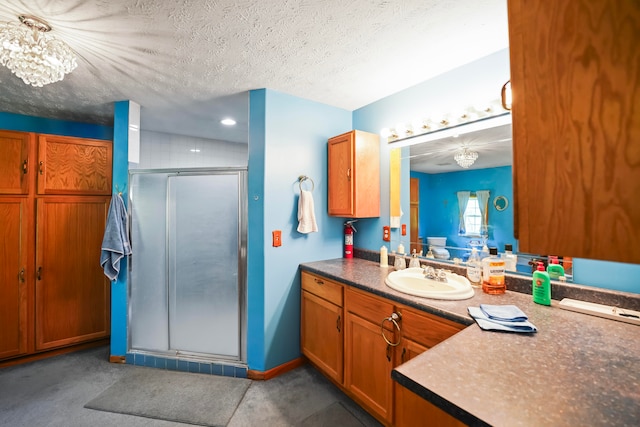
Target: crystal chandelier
<point>32,54</point>
<point>466,158</point>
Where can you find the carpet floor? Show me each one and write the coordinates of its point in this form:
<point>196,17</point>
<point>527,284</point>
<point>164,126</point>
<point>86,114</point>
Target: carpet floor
<point>53,393</point>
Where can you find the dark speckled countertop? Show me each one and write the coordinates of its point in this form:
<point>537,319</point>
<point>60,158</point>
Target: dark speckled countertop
<point>577,370</point>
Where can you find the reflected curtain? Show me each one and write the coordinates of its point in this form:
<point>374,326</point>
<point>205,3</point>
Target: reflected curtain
<point>463,199</point>
<point>483,204</point>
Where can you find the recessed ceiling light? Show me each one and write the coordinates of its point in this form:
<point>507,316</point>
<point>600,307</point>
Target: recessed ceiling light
<point>228,122</point>
<point>195,150</point>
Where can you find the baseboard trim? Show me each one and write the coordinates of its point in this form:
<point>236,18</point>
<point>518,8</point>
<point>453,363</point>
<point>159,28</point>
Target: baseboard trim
<point>274,372</point>
<point>55,352</point>
<point>117,359</point>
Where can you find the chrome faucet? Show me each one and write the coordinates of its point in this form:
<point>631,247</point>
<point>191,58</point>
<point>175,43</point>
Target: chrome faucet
<point>438,275</point>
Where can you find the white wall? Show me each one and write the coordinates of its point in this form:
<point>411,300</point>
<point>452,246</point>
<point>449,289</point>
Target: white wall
<point>163,150</point>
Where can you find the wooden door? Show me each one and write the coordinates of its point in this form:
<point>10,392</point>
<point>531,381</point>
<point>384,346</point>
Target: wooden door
<point>340,163</point>
<point>68,165</point>
<point>15,167</point>
<point>15,278</point>
<point>321,335</point>
<point>72,293</point>
<point>575,78</point>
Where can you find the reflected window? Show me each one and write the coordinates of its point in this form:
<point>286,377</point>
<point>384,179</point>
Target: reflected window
<point>473,217</point>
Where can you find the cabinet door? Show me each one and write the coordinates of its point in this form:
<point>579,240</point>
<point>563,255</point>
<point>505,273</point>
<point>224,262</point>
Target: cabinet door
<point>368,358</point>
<point>340,163</point>
<point>14,277</point>
<point>68,165</point>
<point>321,335</point>
<point>15,169</point>
<point>72,293</point>
<point>575,78</point>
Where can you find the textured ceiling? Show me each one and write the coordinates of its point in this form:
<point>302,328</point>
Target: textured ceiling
<point>193,61</point>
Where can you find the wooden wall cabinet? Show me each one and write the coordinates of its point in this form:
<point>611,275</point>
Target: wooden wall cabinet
<point>354,175</point>
<point>14,161</point>
<point>68,165</point>
<point>16,235</point>
<point>322,324</point>
<point>575,79</point>
<point>368,357</point>
<point>54,293</point>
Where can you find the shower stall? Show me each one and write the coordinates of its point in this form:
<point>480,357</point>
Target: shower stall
<point>187,279</point>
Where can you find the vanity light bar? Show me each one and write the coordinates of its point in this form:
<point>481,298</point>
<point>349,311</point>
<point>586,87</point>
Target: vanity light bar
<point>460,129</point>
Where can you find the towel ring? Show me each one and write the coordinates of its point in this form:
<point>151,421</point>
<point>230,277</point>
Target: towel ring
<point>303,178</point>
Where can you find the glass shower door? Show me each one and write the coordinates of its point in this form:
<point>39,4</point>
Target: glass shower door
<point>187,280</point>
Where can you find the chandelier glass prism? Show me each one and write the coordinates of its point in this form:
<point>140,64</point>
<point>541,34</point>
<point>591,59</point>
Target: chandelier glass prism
<point>32,53</point>
<point>465,158</point>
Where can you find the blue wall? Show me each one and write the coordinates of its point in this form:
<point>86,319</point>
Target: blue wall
<point>18,122</point>
<point>439,204</point>
<point>287,138</point>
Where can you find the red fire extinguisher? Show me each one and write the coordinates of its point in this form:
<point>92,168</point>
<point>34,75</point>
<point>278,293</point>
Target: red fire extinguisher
<point>349,229</point>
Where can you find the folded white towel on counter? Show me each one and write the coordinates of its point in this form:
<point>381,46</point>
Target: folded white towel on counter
<point>306,214</point>
<point>115,243</point>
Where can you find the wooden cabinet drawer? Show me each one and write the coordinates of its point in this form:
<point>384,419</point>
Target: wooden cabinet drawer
<point>369,307</point>
<point>426,329</point>
<point>322,287</point>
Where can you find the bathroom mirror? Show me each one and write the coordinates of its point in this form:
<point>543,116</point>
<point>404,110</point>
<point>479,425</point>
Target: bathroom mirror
<point>436,177</point>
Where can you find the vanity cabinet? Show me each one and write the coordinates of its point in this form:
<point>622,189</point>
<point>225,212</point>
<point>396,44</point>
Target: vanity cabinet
<point>54,293</point>
<point>321,332</point>
<point>575,78</point>
<point>368,356</point>
<point>354,175</point>
<point>420,332</point>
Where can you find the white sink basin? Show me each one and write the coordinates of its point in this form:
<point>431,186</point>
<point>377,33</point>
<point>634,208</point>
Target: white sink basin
<point>412,281</point>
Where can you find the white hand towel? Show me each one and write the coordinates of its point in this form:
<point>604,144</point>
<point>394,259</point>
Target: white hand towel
<point>306,214</point>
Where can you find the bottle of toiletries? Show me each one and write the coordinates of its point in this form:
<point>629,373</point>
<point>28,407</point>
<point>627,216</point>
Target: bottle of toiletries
<point>554,268</point>
<point>510,259</point>
<point>384,257</point>
<point>430,253</point>
<point>414,262</point>
<point>400,248</point>
<point>399,263</point>
<point>484,253</point>
<point>541,289</point>
<point>474,269</point>
<point>493,281</point>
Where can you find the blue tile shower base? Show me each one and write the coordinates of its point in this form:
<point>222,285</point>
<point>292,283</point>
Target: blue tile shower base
<point>185,365</point>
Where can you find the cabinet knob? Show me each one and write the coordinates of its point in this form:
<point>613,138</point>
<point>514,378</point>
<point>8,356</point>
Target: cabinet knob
<point>338,323</point>
<point>41,167</point>
<point>24,167</point>
<point>21,275</point>
<point>39,273</point>
<point>349,174</point>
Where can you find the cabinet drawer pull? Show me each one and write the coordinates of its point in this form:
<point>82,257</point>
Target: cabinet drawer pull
<point>24,167</point>
<point>506,100</point>
<point>41,167</point>
<point>39,273</point>
<point>349,174</point>
<point>393,319</point>
<point>338,323</point>
<point>319,282</point>
<point>21,275</point>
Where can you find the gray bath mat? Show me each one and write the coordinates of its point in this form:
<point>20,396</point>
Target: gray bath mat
<point>332,416</point>
<point>207,400</point>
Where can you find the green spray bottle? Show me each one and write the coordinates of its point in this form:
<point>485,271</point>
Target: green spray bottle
<point>554,269</point>
<point>541,286</point>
